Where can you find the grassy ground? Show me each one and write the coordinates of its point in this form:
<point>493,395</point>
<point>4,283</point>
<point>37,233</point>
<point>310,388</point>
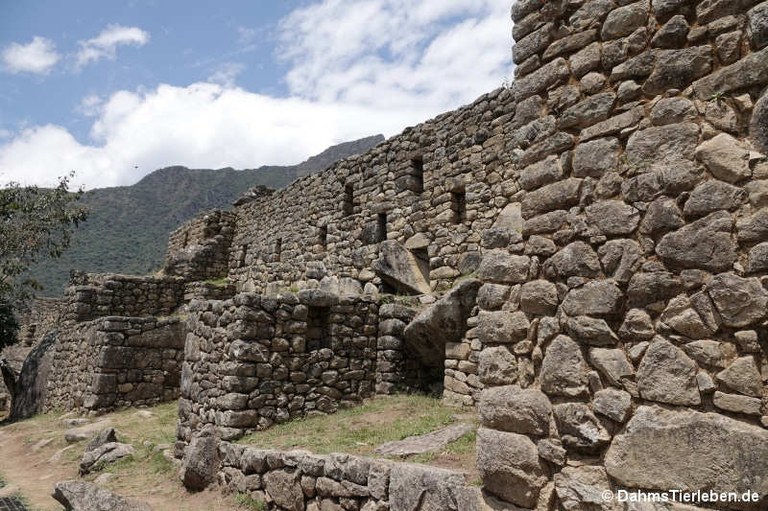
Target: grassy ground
<point>361,429</point>
<point>35,454</point>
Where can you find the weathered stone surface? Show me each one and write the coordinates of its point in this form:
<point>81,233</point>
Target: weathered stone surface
<point>588,112</point>
<point>704,244</point>
<point>663,143</point>
<point>673,34</point>
<point>596,157</point>
<point>673,110</point>
<point>430,442</point>
<point>502,327</point>
<point>758,25</point>
<point>742,376</point>
<point>563,370</point>
<point>612,364</point>
<point>84,496</point>
<point>201,463</point>
<point>758,258</point>
<point>540,174</point>
<point>562,194</point>
<point>663,449</point>
<point>545,77</point>
<point>613,403</point>
<point>502,267</point>
<point>532,44</point>
<point>592,331</point>
<point>709,353</point>
<point>753,227</point>
<point>667,375</point>
<point>510,408</point>
<point>745,73</point>
<point>713,195</point>
<point>103,437</point>
<point>647,288</point>
<point>758,127</point>
<point>613,125</point>
<point>737,403</point>
<point>445,321</point>
<point>103,455</point>
<point>624,20</point>
<point>676,69</point>
<point>419,487</point>
<point>579,428</point>
<point>575,260</point>
<point>397,266</point>
<point>637,326</point>
<point>613,217</point>
<point>724,158</point>
<point>509,466</point>
<point>497,366</point>
<point>681,317</point>
<point>621,258</point>
<point>539,297</point>
<point>662,216</point>
<point>580,488</point>
<point>595,298</point>
<point>740,302</point>
<point>31,386</point>
<point>284,488</point>
<point>86,431</point>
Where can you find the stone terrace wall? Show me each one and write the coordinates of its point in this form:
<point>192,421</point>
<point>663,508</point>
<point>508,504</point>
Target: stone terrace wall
<point>116,362</point>
<point>623,321</point>
<point>338,217</point>
<point>254,360</point>
<point>199,250</point>
<point>298,481</point>
<point>44,314</point>
<point>94,295</point>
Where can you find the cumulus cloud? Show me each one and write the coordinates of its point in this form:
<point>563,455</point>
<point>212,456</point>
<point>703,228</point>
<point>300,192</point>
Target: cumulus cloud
<point>37,57</point>
<point>104,45</point>
<point>354,70</point>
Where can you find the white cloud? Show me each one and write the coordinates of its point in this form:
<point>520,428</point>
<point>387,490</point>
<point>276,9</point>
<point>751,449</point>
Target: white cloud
<point>37,57</point>
<point>226,74</point>
<point>104,46</point>
<point>354,70</point>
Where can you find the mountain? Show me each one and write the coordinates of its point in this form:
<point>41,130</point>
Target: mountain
<point>127,228</point>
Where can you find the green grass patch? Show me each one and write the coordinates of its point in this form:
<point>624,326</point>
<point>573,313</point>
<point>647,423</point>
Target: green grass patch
<point>221,282</point>
<point>245,501</point>
<point>358,430</point>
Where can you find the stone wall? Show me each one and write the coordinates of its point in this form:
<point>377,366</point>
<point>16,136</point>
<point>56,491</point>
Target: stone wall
<point>116,362</point>
<point>256,360</point>
<point>623,321</point>
<point>298,481</point>
<point>430,191</point>
<point>199,250</point>
<point>95,295</point>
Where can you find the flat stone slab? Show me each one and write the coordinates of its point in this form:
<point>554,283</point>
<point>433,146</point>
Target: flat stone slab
<point>431,442</point>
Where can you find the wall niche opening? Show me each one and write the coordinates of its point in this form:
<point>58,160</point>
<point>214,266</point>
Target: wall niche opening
<point>243,254</point>
<point>322,237</point>
<point>381,227</point>
<point>422,259</point>
<point>459,206</point>
<point>278,250</point>
<point>349,200</point>
<point>318,331</point>
<point>417,175</point>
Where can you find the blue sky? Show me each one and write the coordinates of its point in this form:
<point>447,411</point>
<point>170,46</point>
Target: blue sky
<point>114,90</point>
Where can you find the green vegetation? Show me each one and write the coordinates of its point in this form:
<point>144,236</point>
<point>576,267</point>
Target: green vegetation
<point>128,227</point>
<point>358,430</point>
<point>247,502</point>
<point>34,223</point>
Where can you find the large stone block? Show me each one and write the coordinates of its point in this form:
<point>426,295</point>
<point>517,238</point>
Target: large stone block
<point>509,465</point>
<point>563,370</point>
<point>510,408</point>
<point>424,488</point>
<point>667,375</point>
<point>397,266</point>
<point>684,449</point>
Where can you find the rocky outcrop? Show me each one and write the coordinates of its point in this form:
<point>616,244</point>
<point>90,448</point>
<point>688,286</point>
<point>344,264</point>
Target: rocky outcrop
<point>83,496</point>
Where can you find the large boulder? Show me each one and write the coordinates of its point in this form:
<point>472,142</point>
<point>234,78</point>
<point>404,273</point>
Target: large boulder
<point>83,496</point>
<point>443,322</point>
<point>103,455</point>
<point>424,488</point>
<point>32,383</point>
<point>285,489</point>
<point>668,375</point>
<point>398,267</point>
<point>201,461</point>
<point>689,450</point>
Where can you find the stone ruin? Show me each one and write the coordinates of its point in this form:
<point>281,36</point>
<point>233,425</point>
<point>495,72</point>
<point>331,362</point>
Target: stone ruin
<point>586,253</point>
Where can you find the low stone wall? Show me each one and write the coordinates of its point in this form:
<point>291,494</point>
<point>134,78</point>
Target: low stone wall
<point>98,295</point>
<point>298,481</point>
<point>256,360</point>
<point>199,249</point>
<point>116,362</point>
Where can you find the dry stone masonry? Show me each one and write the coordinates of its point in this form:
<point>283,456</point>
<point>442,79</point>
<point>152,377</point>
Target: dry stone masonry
<point>585,259</point>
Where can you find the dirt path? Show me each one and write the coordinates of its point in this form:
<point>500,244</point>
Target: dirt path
<point>34,457</point>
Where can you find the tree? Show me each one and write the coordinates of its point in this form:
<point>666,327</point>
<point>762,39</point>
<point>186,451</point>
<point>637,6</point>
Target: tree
<point>34,223</point>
